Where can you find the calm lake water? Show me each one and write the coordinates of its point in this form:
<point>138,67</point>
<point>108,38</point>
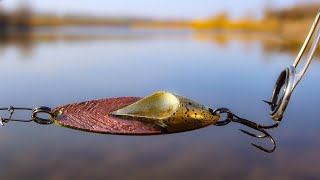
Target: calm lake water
<point>218,72</point>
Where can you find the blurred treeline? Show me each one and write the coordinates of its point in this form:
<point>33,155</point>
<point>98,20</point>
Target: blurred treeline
<point>15,28</point>
<point>290,25</point>
<point>18,20</point>
<point>24,19</point>
<point>296,12</point>
<point>272,19</point>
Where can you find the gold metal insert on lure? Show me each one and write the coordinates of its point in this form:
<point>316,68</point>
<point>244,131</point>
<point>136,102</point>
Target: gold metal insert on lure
<point>171,112</point>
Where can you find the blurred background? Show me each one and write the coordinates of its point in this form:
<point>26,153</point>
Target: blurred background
<point>220,53</point>
<point>46,20</point>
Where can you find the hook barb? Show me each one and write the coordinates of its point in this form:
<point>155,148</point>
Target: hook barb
<point>257,127</point>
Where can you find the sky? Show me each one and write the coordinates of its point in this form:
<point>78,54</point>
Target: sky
<point>186,9</point>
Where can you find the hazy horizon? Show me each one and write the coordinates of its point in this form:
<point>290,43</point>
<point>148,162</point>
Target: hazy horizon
<point>179,9</point>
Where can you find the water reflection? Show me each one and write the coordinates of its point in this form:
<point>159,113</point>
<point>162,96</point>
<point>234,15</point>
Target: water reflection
<point>270,42</point>
<point>25,41</point>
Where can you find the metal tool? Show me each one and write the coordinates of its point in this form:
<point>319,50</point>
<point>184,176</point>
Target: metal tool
<point>290,76</point>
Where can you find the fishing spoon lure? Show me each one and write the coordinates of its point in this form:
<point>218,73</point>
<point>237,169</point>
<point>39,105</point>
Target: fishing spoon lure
<point>159,113</point>
<point>165,113</point>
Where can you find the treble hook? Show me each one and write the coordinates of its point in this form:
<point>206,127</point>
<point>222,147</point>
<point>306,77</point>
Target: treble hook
<point>234,118</point>
<point>257,127</point>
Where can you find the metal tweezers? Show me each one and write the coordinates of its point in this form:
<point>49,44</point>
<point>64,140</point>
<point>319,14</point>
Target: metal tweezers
<point>290,76</point>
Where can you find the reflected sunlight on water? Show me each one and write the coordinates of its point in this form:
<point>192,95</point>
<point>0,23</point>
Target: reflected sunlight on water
<point>236,74</point>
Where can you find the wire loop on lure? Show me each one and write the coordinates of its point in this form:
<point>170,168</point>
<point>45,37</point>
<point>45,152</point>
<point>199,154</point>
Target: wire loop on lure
<point>34,115</point>
<point>234,118</point>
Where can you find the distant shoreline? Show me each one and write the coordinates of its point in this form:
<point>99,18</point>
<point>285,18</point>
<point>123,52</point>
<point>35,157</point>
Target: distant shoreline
<point>290,25</point>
